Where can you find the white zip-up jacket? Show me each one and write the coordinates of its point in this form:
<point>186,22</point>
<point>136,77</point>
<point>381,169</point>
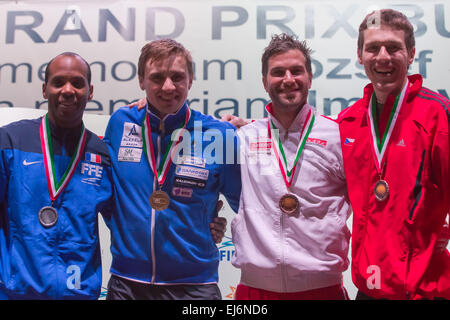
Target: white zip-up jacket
<point>306,251</point>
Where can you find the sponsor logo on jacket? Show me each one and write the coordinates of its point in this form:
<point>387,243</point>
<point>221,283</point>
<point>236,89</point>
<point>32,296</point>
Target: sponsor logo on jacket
<point>197,173</point>
<point>130,154</point>
<point>192,161</point>
<point>317,141</point>
<point>132,135</point>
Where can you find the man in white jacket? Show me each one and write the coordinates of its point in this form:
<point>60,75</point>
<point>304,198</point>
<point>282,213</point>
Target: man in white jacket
<point>290,233</point>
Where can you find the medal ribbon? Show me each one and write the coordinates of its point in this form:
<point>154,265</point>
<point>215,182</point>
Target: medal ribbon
<point>55,187</point>
<point>166,161</point>
<point>379,144</point>
<point>288,175</point>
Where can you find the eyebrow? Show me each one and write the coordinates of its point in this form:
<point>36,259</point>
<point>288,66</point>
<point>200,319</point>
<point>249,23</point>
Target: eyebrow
<point>384,42</point>
<point>296,66</point>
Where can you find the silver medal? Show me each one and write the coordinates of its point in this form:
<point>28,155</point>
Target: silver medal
<point>48,216</point>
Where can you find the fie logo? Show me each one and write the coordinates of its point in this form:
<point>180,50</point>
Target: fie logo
<point>226,249</point>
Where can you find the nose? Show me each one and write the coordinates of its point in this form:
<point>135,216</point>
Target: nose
<point>288,78</point>
<point>168,85</point>
<point>67,89</point>
<point>383,54</point>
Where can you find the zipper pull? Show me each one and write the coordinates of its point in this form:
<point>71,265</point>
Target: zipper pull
<point>161,126</point>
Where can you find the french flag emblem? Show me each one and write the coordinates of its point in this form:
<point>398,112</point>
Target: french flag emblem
<point>92,157</point>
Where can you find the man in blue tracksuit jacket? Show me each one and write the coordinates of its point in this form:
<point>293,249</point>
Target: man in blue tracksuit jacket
<point>55,177</point>
<point>167,185</point>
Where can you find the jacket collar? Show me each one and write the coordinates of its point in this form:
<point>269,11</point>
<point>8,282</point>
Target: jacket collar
<point>415,82</point>
<point>170,122</point>
<point>298,122</point>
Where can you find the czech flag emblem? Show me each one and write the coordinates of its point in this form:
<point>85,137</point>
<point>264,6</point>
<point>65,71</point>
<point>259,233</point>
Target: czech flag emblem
<point>349,141</point>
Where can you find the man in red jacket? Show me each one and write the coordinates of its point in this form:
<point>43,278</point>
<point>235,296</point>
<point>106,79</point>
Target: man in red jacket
<point>395,144</point>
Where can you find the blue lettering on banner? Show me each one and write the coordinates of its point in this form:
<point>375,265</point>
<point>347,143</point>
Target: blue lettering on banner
<point>338,20</point>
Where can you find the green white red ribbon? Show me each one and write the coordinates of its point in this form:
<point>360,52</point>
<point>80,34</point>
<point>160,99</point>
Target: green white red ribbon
<point>55,187</point>
<point>379,144</point>
<point>163,169</point>
<point>273,132</point>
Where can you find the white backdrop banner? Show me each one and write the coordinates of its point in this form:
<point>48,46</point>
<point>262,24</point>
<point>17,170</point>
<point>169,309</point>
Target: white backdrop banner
<point>226,39</point>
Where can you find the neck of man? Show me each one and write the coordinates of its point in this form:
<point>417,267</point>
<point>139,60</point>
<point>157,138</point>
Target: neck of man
<point>382,93</point>
<point>156,112</point>
<point>66,138</point>
<point>159,114</point>
<point>286,115</point>
<point>57,128</point>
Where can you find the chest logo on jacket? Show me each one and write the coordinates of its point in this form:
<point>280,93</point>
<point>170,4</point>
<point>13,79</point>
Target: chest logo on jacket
<point>131,136</point>
<point>93,171</point>
<point>349,142</point>
<point>196,173</point>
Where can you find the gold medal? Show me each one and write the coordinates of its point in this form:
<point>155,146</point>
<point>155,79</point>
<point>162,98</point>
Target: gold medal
<point>381,190</point>
<point>159,200</point>
<point>289,204</point>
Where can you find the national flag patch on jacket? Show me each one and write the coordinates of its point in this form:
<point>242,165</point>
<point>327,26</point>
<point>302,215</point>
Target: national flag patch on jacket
<point>349,141</point>
<point>92,157</point>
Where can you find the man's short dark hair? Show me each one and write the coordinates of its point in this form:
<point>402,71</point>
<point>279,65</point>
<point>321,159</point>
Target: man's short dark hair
<point>389,18</point>
<point>70,54</point>
<point>282,43</point>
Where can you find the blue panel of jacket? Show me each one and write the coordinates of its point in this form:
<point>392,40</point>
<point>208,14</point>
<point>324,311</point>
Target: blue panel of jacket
<point>172,245</point>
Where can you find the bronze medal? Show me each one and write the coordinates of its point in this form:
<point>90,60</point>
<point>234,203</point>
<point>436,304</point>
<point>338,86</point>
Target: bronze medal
<point>289,204</point>
<point>48,216</point>
<point>381,190</point>
<point>159,200</point>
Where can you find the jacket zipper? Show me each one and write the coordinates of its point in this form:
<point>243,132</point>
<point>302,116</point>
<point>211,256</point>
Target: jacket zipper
<point>282,263</point>
<point>417,188</point>
<point>161,129</point>
<point>417,196</point>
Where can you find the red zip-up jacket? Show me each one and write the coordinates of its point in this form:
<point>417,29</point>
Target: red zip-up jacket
<point>393,241</point>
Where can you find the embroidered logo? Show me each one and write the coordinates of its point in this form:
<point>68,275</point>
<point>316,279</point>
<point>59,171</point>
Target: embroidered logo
<point>26,163</point>
<point>197,173</point>
<point>349,142</point>
<point>317,141</point>
<point>182,192</point>
<point>192,161</point>
<point>130,154</point>
<point>401,143</point>
<point>131,136</point>
<point>92,157</point>
<point>95,173</point>
<point>91,169</point>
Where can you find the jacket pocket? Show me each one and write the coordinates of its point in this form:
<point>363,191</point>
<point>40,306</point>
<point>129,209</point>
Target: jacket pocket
<point>417,191</point>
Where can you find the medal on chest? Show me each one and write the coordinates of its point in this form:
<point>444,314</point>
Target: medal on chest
<point>159,200</point>
<point>289,203</point>
<point>48,215</point>
<point>380,143</point>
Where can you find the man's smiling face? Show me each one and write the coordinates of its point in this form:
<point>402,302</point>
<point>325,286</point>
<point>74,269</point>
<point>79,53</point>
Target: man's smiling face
<point>385,59</point>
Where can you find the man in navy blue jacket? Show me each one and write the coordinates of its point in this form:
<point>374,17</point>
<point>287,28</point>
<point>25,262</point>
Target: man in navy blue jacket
<point>170,164</point>
<point>55,176</point>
